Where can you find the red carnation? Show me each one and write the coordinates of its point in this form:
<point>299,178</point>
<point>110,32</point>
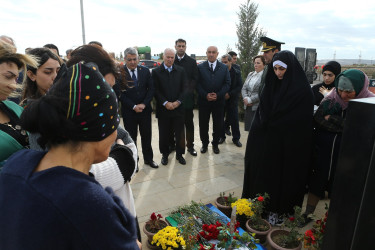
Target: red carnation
<point>309,233</point>
<point>159,216</point>
<point>291,219</point>
<point>260,198</point>
<point>153,216</point>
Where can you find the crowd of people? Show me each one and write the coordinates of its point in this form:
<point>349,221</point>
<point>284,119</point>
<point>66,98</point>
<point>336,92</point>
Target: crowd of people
<point>65,156</point>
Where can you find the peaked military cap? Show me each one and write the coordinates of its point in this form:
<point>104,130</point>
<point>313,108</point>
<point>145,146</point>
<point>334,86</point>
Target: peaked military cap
<point>269,44</point>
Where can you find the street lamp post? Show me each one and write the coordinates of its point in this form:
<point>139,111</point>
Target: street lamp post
<point>83,23</point>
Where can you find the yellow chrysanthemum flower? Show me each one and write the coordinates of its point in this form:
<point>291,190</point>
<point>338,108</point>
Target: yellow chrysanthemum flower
<point>168,238</point>
<point>243,207</point>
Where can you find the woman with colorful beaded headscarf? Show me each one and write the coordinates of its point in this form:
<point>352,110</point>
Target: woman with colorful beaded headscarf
<point>115,173</point>
<point>329,120</point>
<point>59,205</point>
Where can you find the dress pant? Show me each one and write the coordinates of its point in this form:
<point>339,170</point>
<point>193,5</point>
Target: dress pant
<point>231,120</point>
<point>189,130</point>
<point>174,125</point>
<point>205,111</point>
<point>142,121</point>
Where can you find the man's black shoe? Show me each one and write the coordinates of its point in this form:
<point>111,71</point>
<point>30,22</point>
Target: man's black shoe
<point>221,140</point>
<point>164,160</point>
<point>181,159</point>
<point>172,148</point>
<point>204,149</point>
<point>227,132</point>
<point>152,164</point>
<point>192,151</point>
<point>238,143</point>
<point>216,149</point>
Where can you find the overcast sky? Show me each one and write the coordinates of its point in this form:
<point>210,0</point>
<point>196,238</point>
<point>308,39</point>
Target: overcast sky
<point>344,27</point>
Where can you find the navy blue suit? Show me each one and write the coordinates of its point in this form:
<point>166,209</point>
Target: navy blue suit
<point>217,81</point>
<point>136,93</point>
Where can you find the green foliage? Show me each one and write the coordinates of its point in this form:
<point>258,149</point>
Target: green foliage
<point>189,232</point>
<point>228,200</point>
<point>258,203</point>
<point>294,237</point>
<point>226,240</point>
<point>249,35</point>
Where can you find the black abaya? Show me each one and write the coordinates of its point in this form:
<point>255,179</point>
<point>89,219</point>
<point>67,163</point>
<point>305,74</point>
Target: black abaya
<point>278,151</point>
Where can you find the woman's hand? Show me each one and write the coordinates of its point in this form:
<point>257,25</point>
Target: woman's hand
<point>119,141</point>
<point>327,117</point>
<point>324,91</point>
<point>245,101</point>
<point>139,244</point>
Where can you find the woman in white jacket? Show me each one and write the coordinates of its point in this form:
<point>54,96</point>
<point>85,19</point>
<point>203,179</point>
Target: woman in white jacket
<point>250,90</point>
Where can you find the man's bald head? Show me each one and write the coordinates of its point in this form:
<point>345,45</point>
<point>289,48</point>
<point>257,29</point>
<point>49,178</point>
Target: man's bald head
<point>212,53</point>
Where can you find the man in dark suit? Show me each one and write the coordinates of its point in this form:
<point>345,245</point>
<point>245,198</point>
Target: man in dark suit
<point>169,82</point>
<point>191,69</point>
<point>231,103</point>
<point>213,83</point>
<point>234,60</point>
<point>136,104</point>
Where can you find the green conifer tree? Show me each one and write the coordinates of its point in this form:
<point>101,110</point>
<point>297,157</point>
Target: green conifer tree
<point>248,34</point>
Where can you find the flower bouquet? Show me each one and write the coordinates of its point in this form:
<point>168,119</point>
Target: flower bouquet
<point>204,229</point>
<point>169,238</point>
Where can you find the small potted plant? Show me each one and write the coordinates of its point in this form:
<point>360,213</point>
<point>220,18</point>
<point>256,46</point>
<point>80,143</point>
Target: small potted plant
<point>282,239</point>
<point>153,225</point>
<point>256,224</point>
<point>313,237</point>
<point>168,238</point>
<point>223,203</point>
<point>244,211</point>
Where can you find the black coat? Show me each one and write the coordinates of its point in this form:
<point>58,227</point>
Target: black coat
<point>169,86</point>
<point>217,81</point>
<point>278,151</point>
<point>235,86</point>
<point>136,95</point>
<point>191,69</point>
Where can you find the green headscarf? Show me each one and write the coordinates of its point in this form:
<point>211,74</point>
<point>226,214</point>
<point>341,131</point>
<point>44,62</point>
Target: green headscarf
<point>350,79</point>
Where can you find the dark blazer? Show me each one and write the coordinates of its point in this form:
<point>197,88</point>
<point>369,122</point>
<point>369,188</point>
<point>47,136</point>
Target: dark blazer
<point>143,93</point>
<point>235,86</point>
<point>191,69</point>
<point>217,81</point>
<point>169,86</point>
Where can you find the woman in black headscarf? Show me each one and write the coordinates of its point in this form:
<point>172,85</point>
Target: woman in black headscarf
<point>330,70</point>
<point>279,144</point>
